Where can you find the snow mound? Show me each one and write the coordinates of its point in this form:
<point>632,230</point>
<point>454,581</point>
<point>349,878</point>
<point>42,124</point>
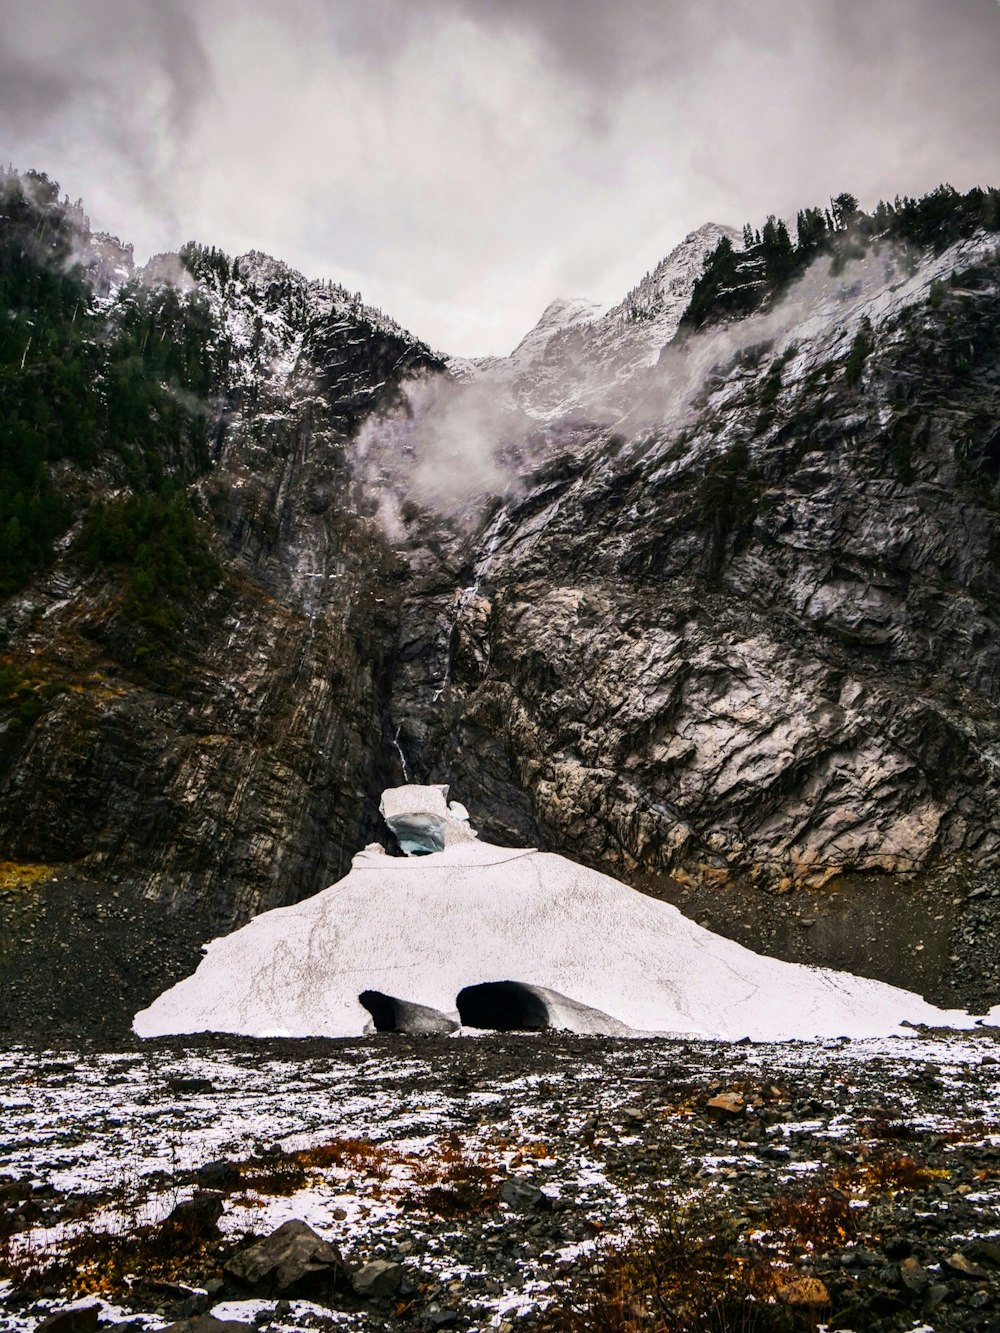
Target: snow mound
<point>500,938</point>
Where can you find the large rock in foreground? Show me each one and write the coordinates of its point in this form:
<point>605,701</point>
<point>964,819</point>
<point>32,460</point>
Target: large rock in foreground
<point>292,1261</point>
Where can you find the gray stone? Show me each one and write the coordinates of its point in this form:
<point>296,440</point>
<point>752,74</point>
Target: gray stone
<point>378,1278</point>
<point>524,1197</point>
<point>200,1214</point>
<point>989,1250</point>
<point>292,1261</point>
<point>935,1294</point>
<point>77,1319</point>
<point>219,1175</point>
<point>207,1323</point>
<point>914,1276</point>
<point>441,1318</point>
<point>958,1263</point>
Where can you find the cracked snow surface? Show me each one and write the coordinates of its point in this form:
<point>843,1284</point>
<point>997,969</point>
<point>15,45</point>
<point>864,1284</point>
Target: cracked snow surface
<point>112,1140</point>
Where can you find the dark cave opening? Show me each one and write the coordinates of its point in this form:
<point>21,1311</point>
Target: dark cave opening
<point>502,1006</point>
<point>390,1014</point>
<point>384,1009</point>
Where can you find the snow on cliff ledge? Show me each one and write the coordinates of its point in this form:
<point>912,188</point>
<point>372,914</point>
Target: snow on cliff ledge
<point>460,932</point>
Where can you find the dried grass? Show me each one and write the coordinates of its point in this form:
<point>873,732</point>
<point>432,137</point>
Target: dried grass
<point>454,1183</point>
<point>684,1271</point>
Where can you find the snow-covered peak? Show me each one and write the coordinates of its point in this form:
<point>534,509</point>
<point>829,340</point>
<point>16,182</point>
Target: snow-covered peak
<point>580,357</point>
<point>562,313</point>
<point>166,270</point>
<point>109,262</point>
<point>262,270</point>
<point>663,294</point>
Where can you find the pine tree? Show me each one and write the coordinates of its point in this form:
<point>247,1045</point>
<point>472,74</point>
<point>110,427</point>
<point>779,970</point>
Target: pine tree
<point>845,209</point>
<point>810,228</point>
<point>776,245</point>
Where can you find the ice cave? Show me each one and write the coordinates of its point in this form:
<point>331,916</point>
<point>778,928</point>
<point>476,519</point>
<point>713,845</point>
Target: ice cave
<point>460,936</point>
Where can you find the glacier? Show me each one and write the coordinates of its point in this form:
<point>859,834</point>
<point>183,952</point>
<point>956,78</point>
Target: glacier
<point>461,934</point>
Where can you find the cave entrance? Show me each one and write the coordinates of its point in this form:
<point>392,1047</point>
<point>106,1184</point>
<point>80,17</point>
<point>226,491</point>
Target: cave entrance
<point>384,1010</point>
<point>419,834</point>
<point>390,1014</point>
<point>502,1006</point>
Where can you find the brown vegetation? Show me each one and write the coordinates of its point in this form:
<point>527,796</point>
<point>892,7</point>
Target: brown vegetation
<point>455,1183</point>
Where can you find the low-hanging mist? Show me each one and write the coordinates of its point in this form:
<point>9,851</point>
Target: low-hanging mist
<point>474,432</point>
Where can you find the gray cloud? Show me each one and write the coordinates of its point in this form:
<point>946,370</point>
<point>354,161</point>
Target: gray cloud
<point>29,94</point>
<point>464,162</point>
<point>100,55</point>
<point>104,96</point>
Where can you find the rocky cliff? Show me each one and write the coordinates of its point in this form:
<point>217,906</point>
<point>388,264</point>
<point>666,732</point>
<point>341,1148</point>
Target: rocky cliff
<point>724,623</point>
<point>759,646</point>
<point>157,788</point>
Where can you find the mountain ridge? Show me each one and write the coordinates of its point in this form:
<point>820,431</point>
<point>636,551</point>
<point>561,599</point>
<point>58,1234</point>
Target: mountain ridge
<point>578,358</point>
<point>739,650</point>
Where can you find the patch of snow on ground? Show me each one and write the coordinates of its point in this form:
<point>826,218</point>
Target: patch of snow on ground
<point>547,1110</point>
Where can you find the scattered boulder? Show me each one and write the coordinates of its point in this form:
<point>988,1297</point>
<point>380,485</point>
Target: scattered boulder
<point>293,1261</point>
<point>804,1291</point>
<point>523,1196</point>
<point>14,1189</point>
<point>77,1319</point>
<point>936,1293</point>
<point>726,1106</point>
<point>200,1214</point>
<point>442,1318</point>
<point>958,1263</point>
<point>220,1175</point>
<point>195,1304</point>
<point>589,1127</point>
<point>379,1278</point>
<point>207,1323</point>
<point>985,1249</point>
<point>190,1083</point>
<point>914,1276</point>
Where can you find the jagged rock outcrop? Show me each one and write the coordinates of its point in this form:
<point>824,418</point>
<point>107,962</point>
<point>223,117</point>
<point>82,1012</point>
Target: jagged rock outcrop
<point>760,647</point>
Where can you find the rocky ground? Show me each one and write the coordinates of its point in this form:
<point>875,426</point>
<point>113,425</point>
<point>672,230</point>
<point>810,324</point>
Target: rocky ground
<point>557,1182</point>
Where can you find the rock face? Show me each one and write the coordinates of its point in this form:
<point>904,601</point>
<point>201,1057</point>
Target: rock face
<point>760,647</point>
<point>182,791</point>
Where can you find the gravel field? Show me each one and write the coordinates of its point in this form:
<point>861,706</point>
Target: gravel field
<point>491,1179</point>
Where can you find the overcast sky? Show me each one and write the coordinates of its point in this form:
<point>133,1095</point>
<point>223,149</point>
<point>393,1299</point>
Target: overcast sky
<point>462,162</point>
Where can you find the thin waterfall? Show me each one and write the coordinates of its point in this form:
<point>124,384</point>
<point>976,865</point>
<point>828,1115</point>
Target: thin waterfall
<point>402,757</point>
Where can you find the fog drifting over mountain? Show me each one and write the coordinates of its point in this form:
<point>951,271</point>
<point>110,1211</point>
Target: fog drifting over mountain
<point>461,163</point>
